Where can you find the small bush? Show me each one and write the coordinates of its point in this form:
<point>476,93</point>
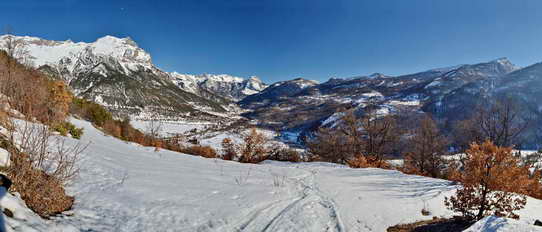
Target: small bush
<point>203,151</point>
<point>111,127</point>
<point>361,161</point>
<point>60,129</point>
<point>76,132</point>
<point>66,127</point>
<point>286,154</point>
<point>229,150</point>
<point>255,148</point>
<point>42,192</point>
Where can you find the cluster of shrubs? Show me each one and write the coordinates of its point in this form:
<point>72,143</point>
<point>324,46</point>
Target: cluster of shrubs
<point>37,98</point>
<point>41,192</point>
<point>90,111</point>
<point>65,128</point>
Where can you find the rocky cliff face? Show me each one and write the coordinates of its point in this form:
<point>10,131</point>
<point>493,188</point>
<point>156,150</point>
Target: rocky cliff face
<point>120,75</point>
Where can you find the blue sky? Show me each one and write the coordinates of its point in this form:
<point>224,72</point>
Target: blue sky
<point>285,39</point>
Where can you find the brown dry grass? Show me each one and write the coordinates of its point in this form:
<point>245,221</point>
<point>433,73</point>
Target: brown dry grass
<point>433,225</point>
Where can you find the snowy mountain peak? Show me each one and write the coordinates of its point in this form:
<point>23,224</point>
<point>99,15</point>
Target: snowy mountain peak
<point>231,87</point>
<point>255,79</point>
<point>300,82</point>
<point>50,52</point>
<point>505,63</point>
<point>377,75</point>
<point>116,73</point>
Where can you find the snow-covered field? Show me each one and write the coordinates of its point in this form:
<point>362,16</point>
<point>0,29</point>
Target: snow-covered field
<point>209,138</point>
<point>127,187</point>
<point>171,127</point>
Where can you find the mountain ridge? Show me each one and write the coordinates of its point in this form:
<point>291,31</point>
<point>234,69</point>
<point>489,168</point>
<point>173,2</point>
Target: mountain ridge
<point>120,75</point>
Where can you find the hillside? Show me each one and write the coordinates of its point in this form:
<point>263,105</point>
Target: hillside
<point>448,93</point>
<point>126,187</point>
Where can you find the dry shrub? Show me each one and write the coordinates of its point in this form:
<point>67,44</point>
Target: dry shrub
<point>32,93</point>
<point>229,150</point>
<point>286,154</point>
<point>60,99</point>
<point>491,178</point>
<point>112,128</point>
<point>41,167</point>
<point>255,147</point>
<point>434,225</point>
<point>203,151</point>
<point>361,161</point>
<point>42,193</point>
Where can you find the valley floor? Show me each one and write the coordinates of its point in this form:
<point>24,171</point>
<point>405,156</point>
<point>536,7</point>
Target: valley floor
<point>127,187</point>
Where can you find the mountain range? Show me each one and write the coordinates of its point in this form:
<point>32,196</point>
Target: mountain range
<point>120,75</point>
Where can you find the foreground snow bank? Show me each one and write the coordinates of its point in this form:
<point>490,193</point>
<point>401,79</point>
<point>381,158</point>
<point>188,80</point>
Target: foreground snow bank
<point>496,224</point>
<point>23,219</point>
<point>126,187</point>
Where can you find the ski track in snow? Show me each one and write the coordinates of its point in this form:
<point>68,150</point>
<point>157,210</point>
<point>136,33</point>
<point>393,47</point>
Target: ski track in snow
<point>295,213</point>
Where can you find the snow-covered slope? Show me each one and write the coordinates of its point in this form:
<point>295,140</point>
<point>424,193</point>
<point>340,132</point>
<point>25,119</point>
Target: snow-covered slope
<point>436,91</point>
<point>126,187</point>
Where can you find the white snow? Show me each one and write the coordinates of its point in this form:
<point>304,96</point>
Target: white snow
<point>222,83</point>
<point>171,127</point>
<point>4,157</point>
<point>24,219</point>
<point>373,94</point>
<point>51,52</point>
<point>126,187</point>
<point>496,224</point>
<point>405,103</point>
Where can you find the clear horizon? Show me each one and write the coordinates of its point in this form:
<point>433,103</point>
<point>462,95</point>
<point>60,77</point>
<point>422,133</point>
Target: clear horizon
<point>281,40</point>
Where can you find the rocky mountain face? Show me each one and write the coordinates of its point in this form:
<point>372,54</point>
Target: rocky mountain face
<point>445,92</point>
<point>276,92</point>
<point>120,75</point>
<point>229,87</point>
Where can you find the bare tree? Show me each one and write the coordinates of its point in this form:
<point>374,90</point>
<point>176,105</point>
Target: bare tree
<point>154,127</point>
<point>46,152</point>
<point>501,121</point>
<point>328,145</point>
<point>425,148</point>
<point>379,135</point>
<point>370,136</point>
